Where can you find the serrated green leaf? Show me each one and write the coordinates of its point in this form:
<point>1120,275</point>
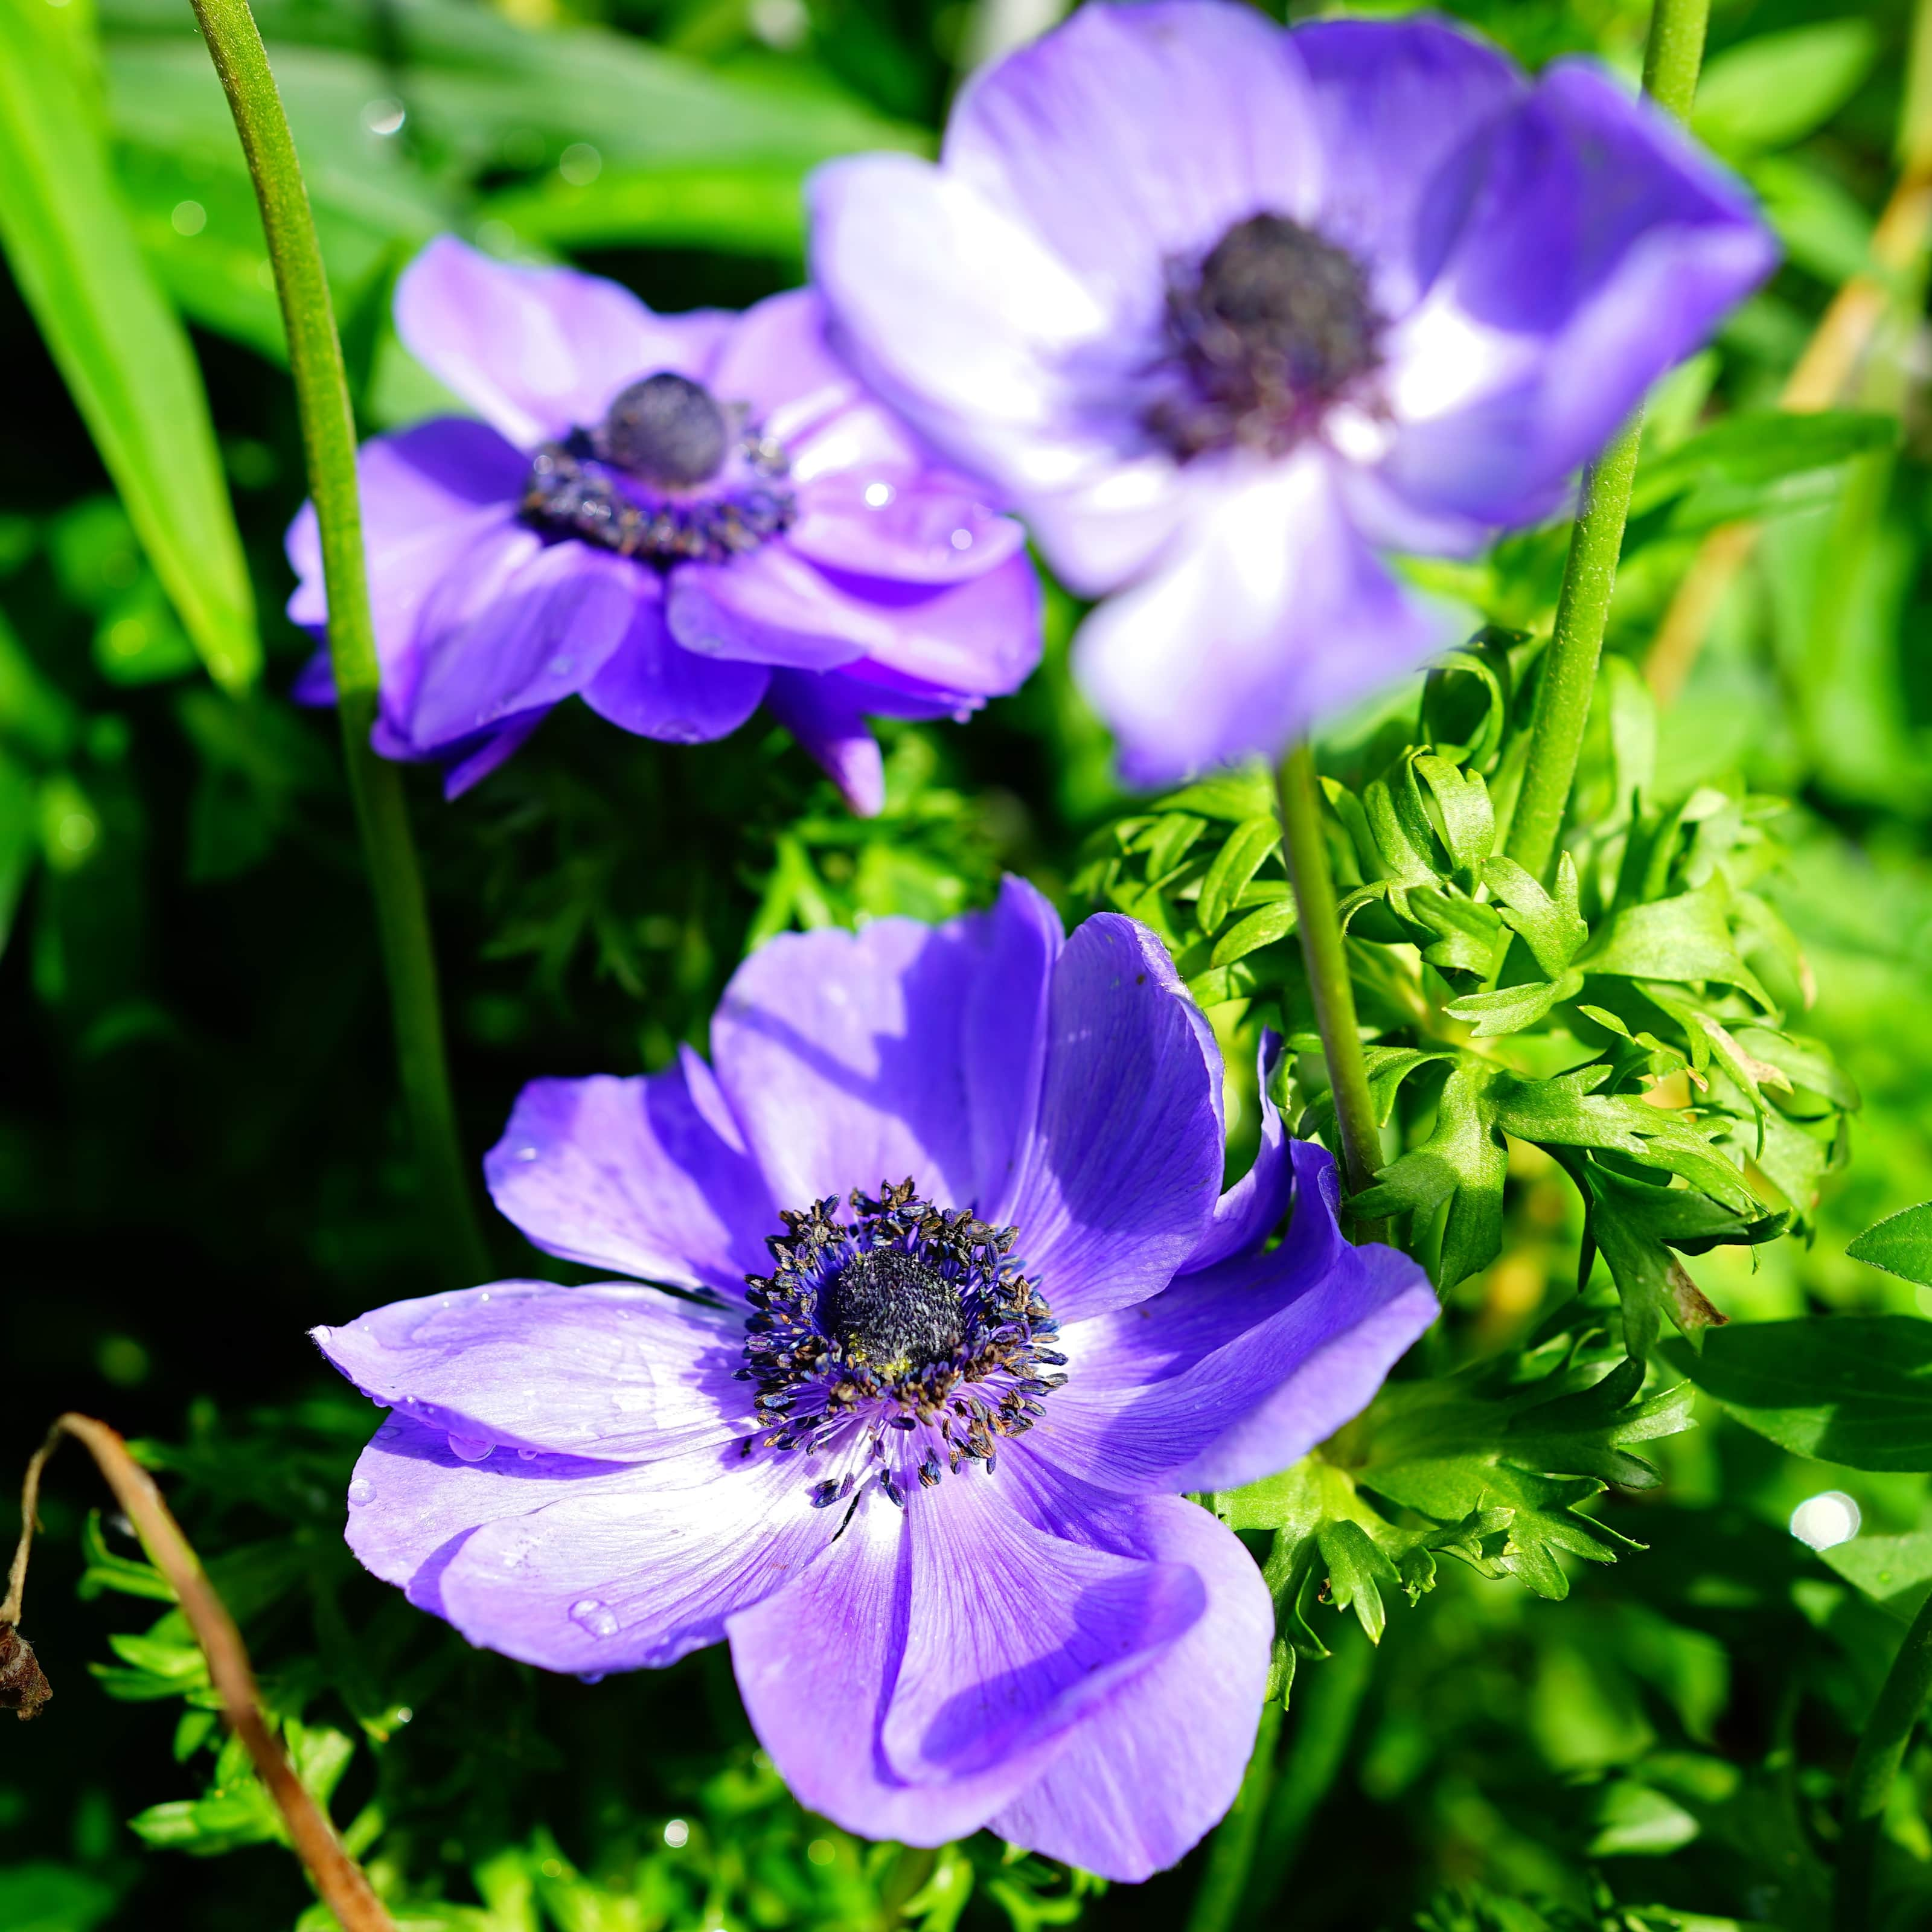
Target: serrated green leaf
<point>1855,1389</point>
<point>1235,795</point>
<point>1463,1162</point>
<point>1246,851</point>
<point>1358,1573</point>
<point>1551,928</point>
<point>1682,939</point>
<point>1468,819</point>
<point>120,347</point>
<point>1511,1009</point>
<point>1901,1244</point>
<point>1468,935</point>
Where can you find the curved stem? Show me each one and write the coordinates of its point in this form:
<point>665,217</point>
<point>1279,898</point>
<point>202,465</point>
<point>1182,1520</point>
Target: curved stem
<point>1325,952</point>
<point>1672,57</point>
<point>1218,1899</point>
<point>1881,1752</point>
<point>337,1877</point>
<point>328,448</point>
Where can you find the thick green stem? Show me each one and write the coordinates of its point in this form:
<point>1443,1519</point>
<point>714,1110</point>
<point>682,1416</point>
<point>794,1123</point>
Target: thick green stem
<point>1881,1752</point>
<point>1325,952</point>
<point>1671,59</point>
<point>328,447</point>
<point>1218,1899</point>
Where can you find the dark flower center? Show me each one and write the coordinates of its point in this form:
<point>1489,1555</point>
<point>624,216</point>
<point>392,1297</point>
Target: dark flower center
<point>889,1311</point>
<point>666,429</point>
<point>896,1346</point>
<point>670,475</point>
<point>1269,329</point>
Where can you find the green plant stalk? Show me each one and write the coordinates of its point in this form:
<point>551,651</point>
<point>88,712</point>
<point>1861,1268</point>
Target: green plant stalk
<point>1672,57</point>
<point>328,448</point>
<point>1881,1752</point>
<point>1325,950</point>
<point>1217,1901</point>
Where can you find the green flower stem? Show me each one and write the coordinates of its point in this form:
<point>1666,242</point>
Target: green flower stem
<point>1217,1901</point>
<point>1671,59</point>
<point>1325,952</point>
<point>1881,1752</point>
<point>328,446</point>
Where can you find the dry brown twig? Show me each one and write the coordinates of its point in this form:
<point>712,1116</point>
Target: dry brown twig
<point>338,1878</point>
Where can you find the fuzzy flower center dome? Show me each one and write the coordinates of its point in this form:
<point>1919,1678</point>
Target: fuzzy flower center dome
<point>896,1347</point>
<point>669,475</point>
<point>666,429</point>
<point>1265,333</point>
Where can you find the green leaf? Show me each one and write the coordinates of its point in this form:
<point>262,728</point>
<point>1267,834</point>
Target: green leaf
<point>1265,926</point>
<point>1235,865</point>
<point>1743,455</point>
<point>125,356</point>
<point>1463,1162</point>
<point>42,1897</point>
<point>1853,1389</point>
<point>1678,939</point>
<point>1775,88</point>
<point>1551,928</point>
<point>1511,1009</point>
<point>1468,819</point>
<point>1233,796</point>
<point>1895,1571</point>
<point>751,208</point>
<point>1901,1244</point>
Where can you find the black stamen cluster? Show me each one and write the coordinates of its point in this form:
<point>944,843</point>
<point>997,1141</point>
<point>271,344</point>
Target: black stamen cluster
<point>634,484</point>
<point>1267,331</point>
<point>910,1325</point>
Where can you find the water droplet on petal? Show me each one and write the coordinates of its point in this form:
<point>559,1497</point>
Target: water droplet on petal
<point>484,1296</point>
<point>591,1613</point>
<point>590,1677</point>
<point>562,667</point>
<point>471,1448</point>
<point>878,495</point>
<point>962,539</point>
<point>528,1455</point>
<point>361,1491</point>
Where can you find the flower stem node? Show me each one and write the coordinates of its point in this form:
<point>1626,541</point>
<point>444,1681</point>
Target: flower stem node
<point>897,1345</point>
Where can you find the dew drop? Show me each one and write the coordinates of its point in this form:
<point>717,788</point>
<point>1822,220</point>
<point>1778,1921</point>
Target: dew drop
<point>471,1448</point>
<point>591,1613</point>
<point>590,1677</point>
<point>361,1491</point>
<point>962,539</point>
<point>528,1455</point>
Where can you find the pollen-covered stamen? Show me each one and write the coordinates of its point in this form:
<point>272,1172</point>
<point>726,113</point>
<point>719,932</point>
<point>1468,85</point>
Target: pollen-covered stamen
<point>670,475</point>
<point>896,1346</point>
<point>1266,332</point>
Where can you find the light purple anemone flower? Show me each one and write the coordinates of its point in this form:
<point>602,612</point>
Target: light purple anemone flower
<point>925,1471</point>
<point>673,517</point>
<point>1228,311</point>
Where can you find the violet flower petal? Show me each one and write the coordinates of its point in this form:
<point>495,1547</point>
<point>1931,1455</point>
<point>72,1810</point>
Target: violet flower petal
<point>1272,613</point>
<point>472,764</point>
<point>1124,1167</point>
<point>1014,1636</point>
<point>846,1054</point>
<point>518,624</point>
<point>1599,247</point>
<point>1133,133</point>
<point>539,352</point>
<point>652,685</point>
<point>892,523</point>
<point>1393,100</point>
<point>649,1176</point>
<point>816,1664</point>
<point>634,1578</point>
<point>623,1373</point>
<point>413,1502</point>
<point>827,714</point>
<point>1248,1212</point>
<point>1149,1774</point>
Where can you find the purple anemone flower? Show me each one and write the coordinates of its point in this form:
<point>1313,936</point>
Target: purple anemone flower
<point>918,1454</point>
<point>673,517</point>
<point>1228,311</point>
